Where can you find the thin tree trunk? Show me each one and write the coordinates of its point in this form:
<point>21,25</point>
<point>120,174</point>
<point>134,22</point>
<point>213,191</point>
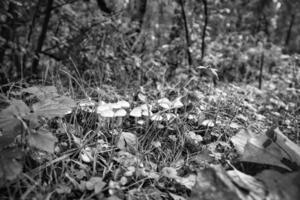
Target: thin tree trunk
<point>203,45</point>
<point>8,29</point>
<point>187,36</point>
<point>102,5</point>
<point>42,38</point>
<point>31,28</point>
<point>289,31</point>
<point>261,67</point>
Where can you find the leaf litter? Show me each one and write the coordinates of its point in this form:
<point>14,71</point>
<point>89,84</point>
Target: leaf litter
<point>211,143</point>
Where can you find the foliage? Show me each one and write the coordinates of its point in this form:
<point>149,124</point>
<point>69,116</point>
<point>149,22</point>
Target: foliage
<point>18,120</point>
<point>155,99</point>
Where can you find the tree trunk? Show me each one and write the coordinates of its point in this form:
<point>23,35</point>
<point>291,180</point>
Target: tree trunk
<point>42,37</point>
<point>289,31</point>
<point>102,5</point>
<point>204,28</point>
<point>187,34</point>
<point>261,67</point>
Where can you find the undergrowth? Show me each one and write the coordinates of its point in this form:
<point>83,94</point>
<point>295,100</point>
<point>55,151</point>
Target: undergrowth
<point>82,142</point>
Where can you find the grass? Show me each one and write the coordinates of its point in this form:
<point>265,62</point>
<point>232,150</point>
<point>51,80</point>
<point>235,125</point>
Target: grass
<point>89,164</point>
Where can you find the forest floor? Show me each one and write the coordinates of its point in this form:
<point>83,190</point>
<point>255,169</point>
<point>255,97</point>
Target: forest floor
<point>199,141</point>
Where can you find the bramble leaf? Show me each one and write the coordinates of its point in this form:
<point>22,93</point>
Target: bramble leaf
<point>43,140</point>
<point>10,168</point>
<point>43,92</point>
<point>57,107</point>
<point>10,124</point>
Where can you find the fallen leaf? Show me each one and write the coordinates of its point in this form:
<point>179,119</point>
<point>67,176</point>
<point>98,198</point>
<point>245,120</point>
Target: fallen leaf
<point>176,197</point>
<point>234,125</point>
<point>142,97</point>
<point>281,186</point>
<point>240,139</point>
<point>208,123</point>
<point>249,183</point>
<point>86,155</point>
<point>96,184</point>
<point>189,181</point>
<point>126,139</point>
<point>157,117</point>
<point>256,152</point>
<point>169,172</point>
<point>164,103</point>
<point>177,103</point>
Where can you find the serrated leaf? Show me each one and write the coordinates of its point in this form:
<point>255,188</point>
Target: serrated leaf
<point>10,168</point>
<point>57,107</point>
<point>8,121</point>
<point>42,92</point>
<point>10,124</point>
<point>43,140</point>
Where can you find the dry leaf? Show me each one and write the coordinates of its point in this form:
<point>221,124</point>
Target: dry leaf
<point>126,139</point>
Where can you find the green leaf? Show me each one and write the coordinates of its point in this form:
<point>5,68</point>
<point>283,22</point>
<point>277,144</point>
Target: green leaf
<point>57,107</point>
<point>10,168</point>
<point>42,92</point>
<point>10,125</point>
<point>43,140</point>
